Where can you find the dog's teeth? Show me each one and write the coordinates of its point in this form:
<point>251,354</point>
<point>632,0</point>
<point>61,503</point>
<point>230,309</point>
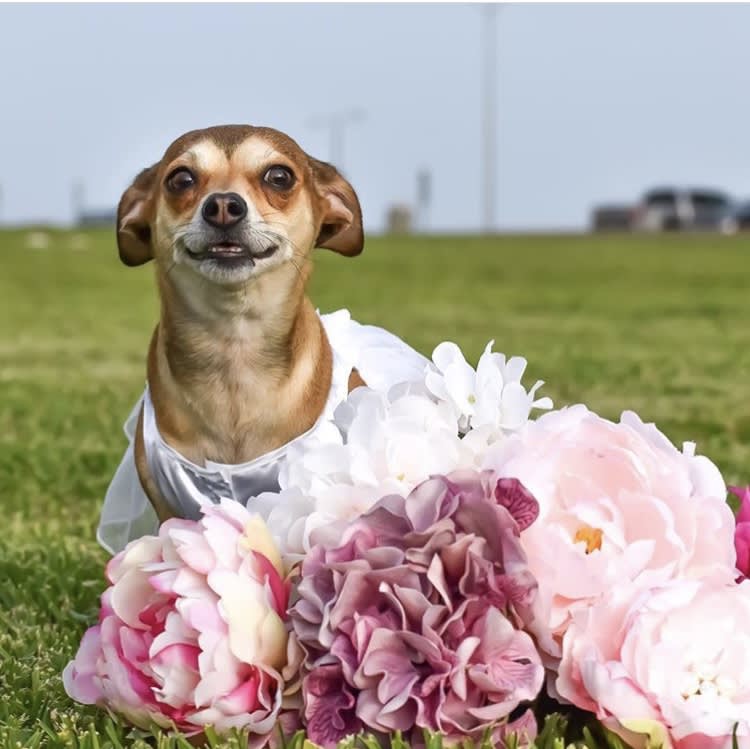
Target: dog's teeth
<point>233,249</point>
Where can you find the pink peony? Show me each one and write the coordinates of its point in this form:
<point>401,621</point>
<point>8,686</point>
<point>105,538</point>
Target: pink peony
<point>672,661</point>
<point>410,615</point>
<point>618,505</point>
<point>191,631</point>
<point>742,530</point>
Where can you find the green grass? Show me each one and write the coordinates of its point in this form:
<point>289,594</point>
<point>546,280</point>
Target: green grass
<point>659,325</point>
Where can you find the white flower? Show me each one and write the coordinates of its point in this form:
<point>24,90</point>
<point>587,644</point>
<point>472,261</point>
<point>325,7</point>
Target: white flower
<point>386,443</point>
<point>491,397</point>
<point>389,444</point>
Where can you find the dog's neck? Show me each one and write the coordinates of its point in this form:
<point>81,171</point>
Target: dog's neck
<point>235,372</point>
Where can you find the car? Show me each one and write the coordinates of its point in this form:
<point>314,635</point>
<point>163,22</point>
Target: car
<point>740,219</point>
<point>674,209</point>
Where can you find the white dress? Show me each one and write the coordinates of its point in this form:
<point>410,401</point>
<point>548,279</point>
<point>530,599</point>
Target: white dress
<point>382,359</point>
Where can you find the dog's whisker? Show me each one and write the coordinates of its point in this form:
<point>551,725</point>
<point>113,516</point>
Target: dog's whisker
<point>280,237</point>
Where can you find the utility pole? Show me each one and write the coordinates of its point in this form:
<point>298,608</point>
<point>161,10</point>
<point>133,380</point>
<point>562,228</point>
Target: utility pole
<point>337,122</point>
<point>488,114</point>
<point>424,197</point>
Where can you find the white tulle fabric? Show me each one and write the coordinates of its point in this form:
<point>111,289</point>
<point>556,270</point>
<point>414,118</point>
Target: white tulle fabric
<point>382,359</point>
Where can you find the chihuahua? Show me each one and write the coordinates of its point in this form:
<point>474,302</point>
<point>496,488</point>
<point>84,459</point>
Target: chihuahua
<point>239,363</point>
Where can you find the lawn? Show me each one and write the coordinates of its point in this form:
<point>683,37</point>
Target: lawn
<point>658,325</point>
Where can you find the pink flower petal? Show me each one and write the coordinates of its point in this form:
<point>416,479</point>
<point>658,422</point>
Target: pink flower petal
<point>743,493</point>
<point>131,594</point>
<point>279,588</point>
<point>242,699</point>
<point>80,675</point>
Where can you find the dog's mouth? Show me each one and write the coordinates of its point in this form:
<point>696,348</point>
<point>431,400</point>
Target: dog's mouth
<point>232,252</point>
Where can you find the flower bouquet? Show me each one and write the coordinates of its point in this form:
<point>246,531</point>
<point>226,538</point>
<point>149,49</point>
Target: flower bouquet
<point>445,568</point>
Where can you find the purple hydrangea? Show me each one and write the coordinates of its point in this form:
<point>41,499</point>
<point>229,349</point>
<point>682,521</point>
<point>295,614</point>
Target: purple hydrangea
<point>413,614</point>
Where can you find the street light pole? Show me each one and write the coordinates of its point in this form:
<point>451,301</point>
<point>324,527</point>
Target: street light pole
<point>488,141</point>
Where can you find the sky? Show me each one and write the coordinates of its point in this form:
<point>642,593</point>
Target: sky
<point>596,102</point>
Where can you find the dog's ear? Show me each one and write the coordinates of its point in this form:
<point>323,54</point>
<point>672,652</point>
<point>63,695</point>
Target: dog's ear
<point>341,221</point>
<point>134,219</point>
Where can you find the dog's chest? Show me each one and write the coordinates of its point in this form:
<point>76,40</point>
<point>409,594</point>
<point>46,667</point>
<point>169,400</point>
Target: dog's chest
<point>237,412</point>
<point>238,422</point>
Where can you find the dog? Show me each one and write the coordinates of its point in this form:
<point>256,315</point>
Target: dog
<point>235,373</point>
<point>240,365</point>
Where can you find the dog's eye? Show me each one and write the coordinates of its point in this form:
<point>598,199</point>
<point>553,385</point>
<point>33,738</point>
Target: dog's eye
<point>279,177</point>
<point>180,180</point>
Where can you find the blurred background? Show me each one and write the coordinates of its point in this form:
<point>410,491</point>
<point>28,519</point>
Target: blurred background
<point>446,117</point>
<point>570,181</point>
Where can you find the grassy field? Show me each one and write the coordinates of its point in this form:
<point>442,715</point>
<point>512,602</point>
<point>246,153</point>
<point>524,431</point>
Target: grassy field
<point>658,325</point>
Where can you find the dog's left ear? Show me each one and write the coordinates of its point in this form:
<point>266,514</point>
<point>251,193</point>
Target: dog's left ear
<point>133,219</point>
<point>341,221</point>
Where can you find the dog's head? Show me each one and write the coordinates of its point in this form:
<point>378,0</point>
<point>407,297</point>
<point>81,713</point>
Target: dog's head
<point>231,203</point>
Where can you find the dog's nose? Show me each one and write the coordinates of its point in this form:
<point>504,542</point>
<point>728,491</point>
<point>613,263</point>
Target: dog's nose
<point>224,209</point>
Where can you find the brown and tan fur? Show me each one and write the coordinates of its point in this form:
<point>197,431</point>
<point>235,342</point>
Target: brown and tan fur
<point>239,363</point>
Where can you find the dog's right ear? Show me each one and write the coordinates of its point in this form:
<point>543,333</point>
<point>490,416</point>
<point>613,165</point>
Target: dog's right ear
<point>134,219</point>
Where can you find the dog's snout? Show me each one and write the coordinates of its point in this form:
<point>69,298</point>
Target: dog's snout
<point>223,210</point>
